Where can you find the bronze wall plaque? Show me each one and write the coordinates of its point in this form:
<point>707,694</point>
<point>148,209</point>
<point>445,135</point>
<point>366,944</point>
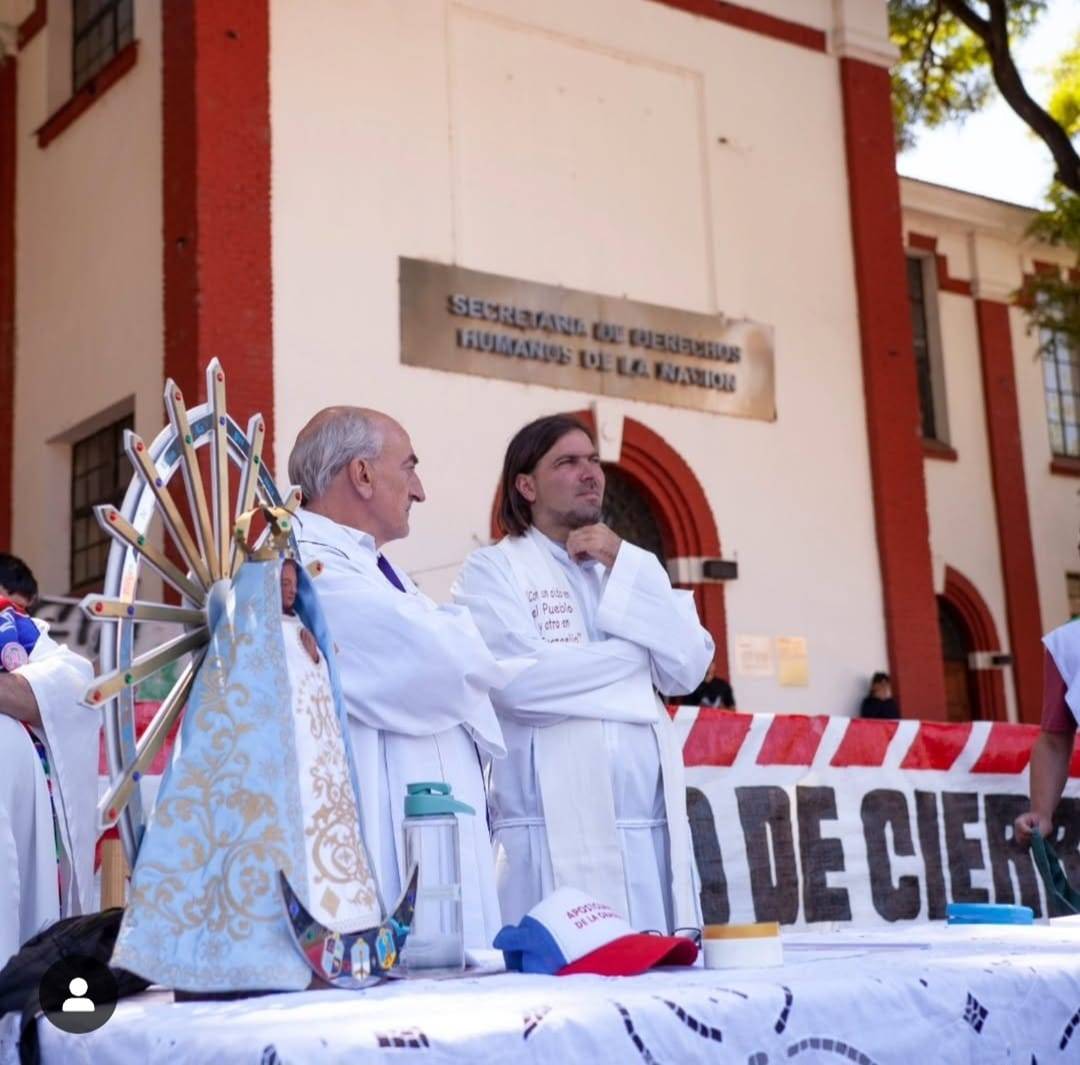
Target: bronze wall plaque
<point>470,322</point>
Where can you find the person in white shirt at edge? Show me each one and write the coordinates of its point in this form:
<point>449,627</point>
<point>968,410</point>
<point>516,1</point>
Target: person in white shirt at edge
<point>415,676</point>
<point>48,824</point>
<point>592,792</point>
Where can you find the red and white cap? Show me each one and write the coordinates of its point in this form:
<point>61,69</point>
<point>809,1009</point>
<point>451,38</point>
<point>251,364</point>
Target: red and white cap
<point>568,932</point>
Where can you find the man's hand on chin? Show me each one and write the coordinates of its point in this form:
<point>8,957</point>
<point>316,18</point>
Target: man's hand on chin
<point>596,542</point>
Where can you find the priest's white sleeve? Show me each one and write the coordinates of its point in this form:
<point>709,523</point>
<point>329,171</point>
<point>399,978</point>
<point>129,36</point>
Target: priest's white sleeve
<point>638,604</point>
<point>590,680</point>
<point>58,678</point>
<point>406,665</point>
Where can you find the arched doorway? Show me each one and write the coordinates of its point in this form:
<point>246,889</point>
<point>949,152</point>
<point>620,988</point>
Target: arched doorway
<point>961,702</point>
<point>628,510</point>
<point>967,627</point>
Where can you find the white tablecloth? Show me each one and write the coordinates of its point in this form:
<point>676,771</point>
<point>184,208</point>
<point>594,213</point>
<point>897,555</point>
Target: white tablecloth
<point>930,994</point>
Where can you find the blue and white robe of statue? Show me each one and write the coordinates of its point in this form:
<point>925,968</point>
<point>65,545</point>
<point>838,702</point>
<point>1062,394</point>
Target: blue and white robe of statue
<point>261,780</point>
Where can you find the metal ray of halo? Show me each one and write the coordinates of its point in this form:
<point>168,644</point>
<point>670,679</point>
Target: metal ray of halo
<point>100,608</point>
<point>109,685</point>
<point>155,734</point>
<point>122,531</point>
<point>193,482</point>
<point>245,496</point>
<point>133,523</point>
<point>170,513</point>
<point>219,461</point>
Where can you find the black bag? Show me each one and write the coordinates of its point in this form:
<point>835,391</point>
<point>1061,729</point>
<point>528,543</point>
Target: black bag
<point>92,935</point>
<point>1062,898</point>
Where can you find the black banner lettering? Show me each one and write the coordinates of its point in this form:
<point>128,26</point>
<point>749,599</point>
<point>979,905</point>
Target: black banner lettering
<point>765,814</point>
<point>820,856</point>
<point>715,906</point>
<point>881,808</point>
<point>961,808</point>
<point>926,814</point>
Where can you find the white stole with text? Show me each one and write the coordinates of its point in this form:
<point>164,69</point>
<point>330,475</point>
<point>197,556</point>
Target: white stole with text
<point>571,757</point>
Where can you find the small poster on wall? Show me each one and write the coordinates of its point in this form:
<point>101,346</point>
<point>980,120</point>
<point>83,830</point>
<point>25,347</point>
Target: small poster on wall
<point>753,656</point>
<point>794,661</point>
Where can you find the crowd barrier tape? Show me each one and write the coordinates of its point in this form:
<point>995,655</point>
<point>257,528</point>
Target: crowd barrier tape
<point>829,821</point>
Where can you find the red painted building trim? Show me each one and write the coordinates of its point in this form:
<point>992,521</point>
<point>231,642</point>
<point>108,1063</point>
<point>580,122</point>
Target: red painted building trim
<point>8,141</point>
<point>216,201</point>
<point>1024,296</point>
<point>889,384</point>
<point>1011,504</point>
<point>1065,465</point>
<point>935,449</point>
<point>945,281</point>
<point>91,92</point>
<point>32,24</point>
<point>972,608</point>
<point>671,485</point>
<point>746,18</point>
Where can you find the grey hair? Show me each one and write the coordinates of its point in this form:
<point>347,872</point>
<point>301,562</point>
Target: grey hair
<point>322,450</point>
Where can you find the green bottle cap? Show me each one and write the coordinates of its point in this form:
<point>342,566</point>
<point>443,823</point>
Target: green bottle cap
<point>433,798</point>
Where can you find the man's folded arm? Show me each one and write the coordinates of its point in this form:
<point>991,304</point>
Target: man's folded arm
<point>567,680</point>
<point>407,667</point>
<point>638,604</point>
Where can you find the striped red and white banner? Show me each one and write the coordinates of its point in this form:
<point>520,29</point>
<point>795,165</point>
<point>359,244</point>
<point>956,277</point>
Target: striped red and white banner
<point>833,820</point>
<point>715,737</point>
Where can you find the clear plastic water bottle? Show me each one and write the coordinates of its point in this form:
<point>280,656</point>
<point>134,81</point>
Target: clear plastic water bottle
<point>437,937</point>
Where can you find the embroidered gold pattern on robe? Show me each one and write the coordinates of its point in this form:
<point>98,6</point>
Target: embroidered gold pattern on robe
<point>243,843</point>
<point>336,854</point>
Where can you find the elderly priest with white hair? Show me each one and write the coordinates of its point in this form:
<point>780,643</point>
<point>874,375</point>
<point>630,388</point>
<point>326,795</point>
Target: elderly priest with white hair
<point>592,792</point>
<point>48,770</point>
<point>415,676</point>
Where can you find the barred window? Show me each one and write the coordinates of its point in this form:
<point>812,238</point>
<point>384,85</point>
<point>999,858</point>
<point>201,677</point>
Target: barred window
<point>928,369</point>
<point>101,28</point>
<point>99,474</point>
<point>1061,377</point>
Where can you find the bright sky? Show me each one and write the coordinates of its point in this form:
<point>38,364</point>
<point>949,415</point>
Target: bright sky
<point>993,153</point>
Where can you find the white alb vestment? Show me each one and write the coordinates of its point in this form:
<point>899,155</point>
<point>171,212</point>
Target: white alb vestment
<point>30,897</point>
<point>591,794</point>
<point>416,679</point>
<point>1063,644</point>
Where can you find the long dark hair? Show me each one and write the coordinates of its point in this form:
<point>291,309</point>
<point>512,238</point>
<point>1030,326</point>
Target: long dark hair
<point>527,448</point>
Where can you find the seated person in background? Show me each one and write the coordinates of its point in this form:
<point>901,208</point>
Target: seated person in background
<point>879,702</point>
<point>48,772</point>
<point>1053,748</point>
<point>592,794</point>
<point>415,677</point>
<point>712,691</point>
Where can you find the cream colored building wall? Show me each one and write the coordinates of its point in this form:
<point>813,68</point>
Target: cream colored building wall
<point>88,281</point>
<point>617,146</point>
<point>984,243</point>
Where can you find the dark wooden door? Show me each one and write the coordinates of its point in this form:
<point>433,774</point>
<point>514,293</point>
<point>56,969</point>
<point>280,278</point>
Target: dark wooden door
<point>957,694</point>
<point>961,698</point>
